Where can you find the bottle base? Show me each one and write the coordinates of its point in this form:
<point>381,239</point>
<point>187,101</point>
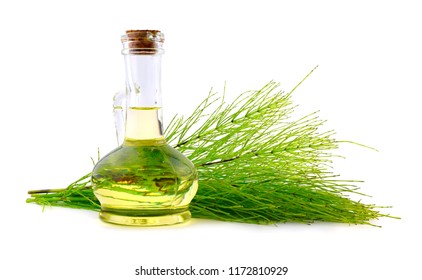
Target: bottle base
<point>145,218</point>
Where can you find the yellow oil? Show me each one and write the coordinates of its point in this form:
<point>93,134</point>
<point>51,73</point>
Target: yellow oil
<point>144,182</point>
<point>143,123</point>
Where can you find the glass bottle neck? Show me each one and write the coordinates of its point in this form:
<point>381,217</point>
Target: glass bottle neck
<point>143,97</point>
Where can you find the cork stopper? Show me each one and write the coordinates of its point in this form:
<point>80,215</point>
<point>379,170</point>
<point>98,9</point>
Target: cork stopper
<point>142,42</point>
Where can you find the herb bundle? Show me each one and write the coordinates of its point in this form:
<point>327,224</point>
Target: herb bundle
<point>255,165</point>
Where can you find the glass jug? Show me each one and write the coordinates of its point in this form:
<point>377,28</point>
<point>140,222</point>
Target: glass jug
<point>143,182</point>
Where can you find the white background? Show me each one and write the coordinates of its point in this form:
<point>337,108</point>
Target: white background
<point>60,65</point>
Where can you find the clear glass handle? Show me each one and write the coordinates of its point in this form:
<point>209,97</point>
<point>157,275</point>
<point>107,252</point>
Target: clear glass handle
<point>119,112</point>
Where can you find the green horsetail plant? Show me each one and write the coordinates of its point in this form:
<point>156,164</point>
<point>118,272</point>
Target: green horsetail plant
<point>256,164</point>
